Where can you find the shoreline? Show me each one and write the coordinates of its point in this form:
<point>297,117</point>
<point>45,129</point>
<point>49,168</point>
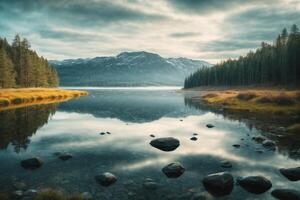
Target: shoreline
<point>267,106</point>
<point>18,98</point>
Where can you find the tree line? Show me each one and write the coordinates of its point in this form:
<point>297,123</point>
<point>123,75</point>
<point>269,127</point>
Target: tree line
<point>272,64</point>
<point>22,67</point>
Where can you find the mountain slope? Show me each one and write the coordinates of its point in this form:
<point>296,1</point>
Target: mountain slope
<point>126,69</point>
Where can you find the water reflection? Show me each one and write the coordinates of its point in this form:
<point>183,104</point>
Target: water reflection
<point>130,105</point>
<point>16,126</point>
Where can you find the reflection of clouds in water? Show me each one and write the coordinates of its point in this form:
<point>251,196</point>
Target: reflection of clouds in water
<point>82,134</point>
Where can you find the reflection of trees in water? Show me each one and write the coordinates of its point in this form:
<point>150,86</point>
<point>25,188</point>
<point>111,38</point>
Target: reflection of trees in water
<point>16,126</point>
<point>288,144</point>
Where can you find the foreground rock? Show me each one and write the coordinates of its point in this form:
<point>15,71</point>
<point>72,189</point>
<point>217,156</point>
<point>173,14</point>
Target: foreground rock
<point>286,194</point>
<point>209,126</point>
<point>219,184</point>
<point>255,184</point>
<point>65,156</point>
<point>106,179</point>
<point>150,184</point>
<point>165,144</point>
<point>293,174</point>
<point>32,163</point>
<point>173,170</point>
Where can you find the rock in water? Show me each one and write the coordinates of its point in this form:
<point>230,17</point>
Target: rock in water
<point>32,163</point>
<point>236,145</point>
<point>286,194</point>
<point>219,184</point>
<point>258,139</point>
<point>173,170</point>
<point>106,179</point>
<point>65,156</point>
<point>150,184</point>
<point>165,144</point>
<point>268,144</point>
<point>293,174</point>
<point>226,164</point>
<point>255,184</point>
<point>194,138</point>
<point>209,126</point>
<point>152,135</point>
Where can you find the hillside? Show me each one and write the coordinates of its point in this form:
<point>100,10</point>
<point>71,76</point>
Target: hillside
<point>126,69</point>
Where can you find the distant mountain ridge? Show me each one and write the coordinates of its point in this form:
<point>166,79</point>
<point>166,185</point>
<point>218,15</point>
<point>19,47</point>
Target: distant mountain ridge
<point>126,69</point>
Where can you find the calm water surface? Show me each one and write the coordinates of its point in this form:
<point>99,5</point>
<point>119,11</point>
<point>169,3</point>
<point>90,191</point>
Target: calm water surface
<point>131,116</point>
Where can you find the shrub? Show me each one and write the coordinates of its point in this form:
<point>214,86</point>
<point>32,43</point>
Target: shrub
<point>17,100</point>
<point>283,100</point>
<point>246,96</point>
<point>210,95</point>
<point>4,102</point>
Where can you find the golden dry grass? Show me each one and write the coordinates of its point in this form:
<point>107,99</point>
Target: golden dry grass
<point>15,98</point>
<point>256,101</point>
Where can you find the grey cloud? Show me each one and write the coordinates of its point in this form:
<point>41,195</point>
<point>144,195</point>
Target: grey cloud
<point>227,45</point>
<point>183,34</point>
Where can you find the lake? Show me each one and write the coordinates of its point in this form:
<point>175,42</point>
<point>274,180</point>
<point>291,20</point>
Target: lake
<point>131,116</point>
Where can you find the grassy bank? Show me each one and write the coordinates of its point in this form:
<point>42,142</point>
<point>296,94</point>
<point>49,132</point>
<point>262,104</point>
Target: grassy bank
<point>264,104</point>
<point>16,98</point>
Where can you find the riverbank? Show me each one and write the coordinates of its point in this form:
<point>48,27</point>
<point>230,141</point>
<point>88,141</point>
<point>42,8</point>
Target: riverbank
<point>262,104</point>
<point>17,98</point>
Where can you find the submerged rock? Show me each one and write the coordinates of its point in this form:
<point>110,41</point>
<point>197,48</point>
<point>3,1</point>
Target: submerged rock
<point>226,164</point>
<point>106,179</point>
<point>194,138</point>
<point>65,156</point>
<point>255,184</point>
<point>32,163</point>
<point>108,132</point>
<point>150,184</point>
<point>30,193</point>
<point>19,185</point>
<point>152,135</point>
<point>218,184</point>
<point>173,170</point>
<point>268,144</point>
<point>286,194</point>
<point>258,139</point>
<point>165,144</point>
<point>194,134</point>
<point>236,145</point>
<point>102,133</point>
<point>18,194</point>
<point>293,174</point>
<point>86,196</point>
<point>209,126</point>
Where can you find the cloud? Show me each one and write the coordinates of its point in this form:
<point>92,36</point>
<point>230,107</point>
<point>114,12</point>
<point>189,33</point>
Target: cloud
<point>183,34</point>
<point>228,45</point>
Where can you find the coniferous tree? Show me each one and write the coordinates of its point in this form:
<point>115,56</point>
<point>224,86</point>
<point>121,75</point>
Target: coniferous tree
<point>277,64</point>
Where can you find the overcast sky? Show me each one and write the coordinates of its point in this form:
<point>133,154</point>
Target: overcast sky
<point>211,30</point>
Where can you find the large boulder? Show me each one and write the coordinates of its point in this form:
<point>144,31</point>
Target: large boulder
<point>165,144</point>
<point>173,170</point>
<point>286,194</point>
<point>218,184</point>
<point>293,174</point>
<point>106,179</point>
<point>255,184</point>
<point>32,163</point>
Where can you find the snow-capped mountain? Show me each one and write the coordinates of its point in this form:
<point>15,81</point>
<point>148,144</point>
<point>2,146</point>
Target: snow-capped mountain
<point>126,69</point>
